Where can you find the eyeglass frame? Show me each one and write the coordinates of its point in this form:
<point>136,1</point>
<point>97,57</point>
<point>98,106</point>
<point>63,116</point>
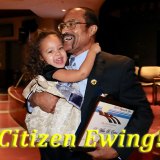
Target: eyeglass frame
<point>69,27</point>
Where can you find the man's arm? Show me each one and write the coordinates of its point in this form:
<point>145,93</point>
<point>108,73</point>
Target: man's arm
<point>132,94</point>
<point>46,101</point>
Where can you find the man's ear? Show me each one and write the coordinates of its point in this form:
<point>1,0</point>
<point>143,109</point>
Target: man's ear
<point>93,30</point>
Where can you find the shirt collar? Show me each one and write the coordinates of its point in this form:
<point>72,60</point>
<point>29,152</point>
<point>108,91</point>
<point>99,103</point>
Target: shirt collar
<point>80,59</point>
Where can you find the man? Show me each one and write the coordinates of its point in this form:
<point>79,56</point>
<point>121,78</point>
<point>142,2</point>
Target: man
<point>111,74</point>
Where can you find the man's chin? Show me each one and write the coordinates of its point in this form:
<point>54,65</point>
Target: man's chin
<point>67,47</point>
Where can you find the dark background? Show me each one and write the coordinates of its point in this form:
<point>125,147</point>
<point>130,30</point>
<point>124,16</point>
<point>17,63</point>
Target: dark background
<point>131,28</point>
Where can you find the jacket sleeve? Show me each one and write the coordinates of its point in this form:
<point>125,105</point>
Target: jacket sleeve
<point>132,94</point>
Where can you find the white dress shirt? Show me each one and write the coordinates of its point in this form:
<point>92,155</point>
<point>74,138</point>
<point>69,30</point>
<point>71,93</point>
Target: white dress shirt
<point>78,61</point>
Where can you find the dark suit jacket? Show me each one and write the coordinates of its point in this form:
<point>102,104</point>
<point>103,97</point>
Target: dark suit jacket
<point>115,76</point>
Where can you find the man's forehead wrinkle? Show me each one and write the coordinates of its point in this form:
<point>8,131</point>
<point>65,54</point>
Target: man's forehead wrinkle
<point>71,20</point>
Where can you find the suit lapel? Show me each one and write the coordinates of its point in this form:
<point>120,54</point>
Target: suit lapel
<point>93,91</point>
<point>93,88</point>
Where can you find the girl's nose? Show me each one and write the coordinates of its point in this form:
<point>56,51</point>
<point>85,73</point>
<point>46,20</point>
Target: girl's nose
<point>58,53</point>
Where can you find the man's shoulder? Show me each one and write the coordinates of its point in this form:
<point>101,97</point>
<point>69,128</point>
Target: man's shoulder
<point>113,61</point>
<point>113,57</point>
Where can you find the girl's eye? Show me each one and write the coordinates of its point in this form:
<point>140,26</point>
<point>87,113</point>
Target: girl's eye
<point>61,48</point>
<point>50,51</point>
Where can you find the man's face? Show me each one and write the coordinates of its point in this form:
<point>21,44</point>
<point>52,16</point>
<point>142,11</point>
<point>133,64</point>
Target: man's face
<point>76,38</point>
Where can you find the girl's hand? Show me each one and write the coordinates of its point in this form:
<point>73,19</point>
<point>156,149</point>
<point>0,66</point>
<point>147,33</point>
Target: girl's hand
<point>95,48</point>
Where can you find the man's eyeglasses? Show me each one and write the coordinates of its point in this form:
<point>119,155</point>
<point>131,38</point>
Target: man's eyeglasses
<point>70,25</point>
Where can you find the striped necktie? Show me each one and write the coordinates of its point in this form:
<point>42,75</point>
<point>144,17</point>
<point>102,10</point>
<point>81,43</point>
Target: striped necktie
<point>72,63</point>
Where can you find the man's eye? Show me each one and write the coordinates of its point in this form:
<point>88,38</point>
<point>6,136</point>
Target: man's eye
<point>63,25</point>
<point>70,23</point>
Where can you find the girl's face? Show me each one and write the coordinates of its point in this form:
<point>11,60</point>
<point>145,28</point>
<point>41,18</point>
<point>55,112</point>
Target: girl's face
<point>52,51</point>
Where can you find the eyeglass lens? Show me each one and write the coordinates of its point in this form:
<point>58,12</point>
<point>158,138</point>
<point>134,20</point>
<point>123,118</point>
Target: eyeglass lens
<point>69,25</point>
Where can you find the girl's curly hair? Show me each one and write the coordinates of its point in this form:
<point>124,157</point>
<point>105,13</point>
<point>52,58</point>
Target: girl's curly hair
<point>34,64</point>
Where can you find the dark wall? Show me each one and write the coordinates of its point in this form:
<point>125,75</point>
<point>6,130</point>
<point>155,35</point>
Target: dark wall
<point>13,63</point>
<point>131,28</point>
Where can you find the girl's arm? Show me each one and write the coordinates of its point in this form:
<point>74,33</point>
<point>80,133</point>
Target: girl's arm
<point>85,69</point>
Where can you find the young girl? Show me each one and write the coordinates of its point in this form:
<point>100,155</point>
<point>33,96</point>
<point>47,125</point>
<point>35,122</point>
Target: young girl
<point>47,66</point>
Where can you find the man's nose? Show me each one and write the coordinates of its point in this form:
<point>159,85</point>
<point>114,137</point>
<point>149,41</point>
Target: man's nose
<point>65,30</point>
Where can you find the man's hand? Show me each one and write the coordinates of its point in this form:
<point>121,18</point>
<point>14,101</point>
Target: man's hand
<point>47,102</point>
<point>103,153</point>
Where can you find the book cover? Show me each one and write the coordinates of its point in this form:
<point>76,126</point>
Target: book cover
<point>109,117</point>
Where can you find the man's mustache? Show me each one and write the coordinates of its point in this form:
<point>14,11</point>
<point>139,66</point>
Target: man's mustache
<point>64,35</point>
